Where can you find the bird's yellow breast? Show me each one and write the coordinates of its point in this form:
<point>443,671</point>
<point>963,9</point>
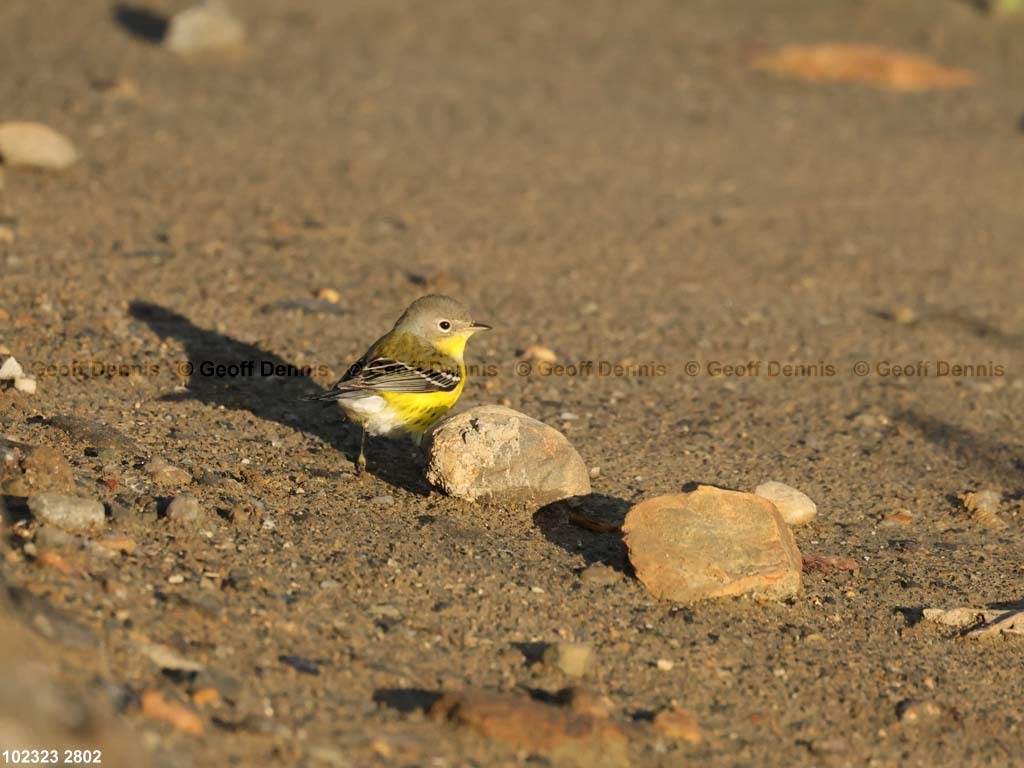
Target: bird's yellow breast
<point>418,410</point>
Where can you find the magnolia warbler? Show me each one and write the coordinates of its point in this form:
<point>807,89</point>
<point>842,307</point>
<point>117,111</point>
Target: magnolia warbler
<point>411,376</point>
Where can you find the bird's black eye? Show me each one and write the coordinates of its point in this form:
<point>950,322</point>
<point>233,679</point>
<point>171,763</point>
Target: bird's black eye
<point>444,325</point>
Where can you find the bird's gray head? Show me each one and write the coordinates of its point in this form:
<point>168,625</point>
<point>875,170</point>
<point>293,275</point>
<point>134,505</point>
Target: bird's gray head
<point>438,318</point>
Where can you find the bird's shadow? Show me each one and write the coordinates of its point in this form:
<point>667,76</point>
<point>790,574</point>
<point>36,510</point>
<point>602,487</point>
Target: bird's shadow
<point>273,397</point>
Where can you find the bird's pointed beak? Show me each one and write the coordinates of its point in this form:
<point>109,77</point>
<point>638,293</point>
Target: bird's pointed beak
<point>480,327</point>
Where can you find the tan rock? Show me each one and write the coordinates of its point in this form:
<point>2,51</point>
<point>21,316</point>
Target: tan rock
<point>496,454</point>
<point>565,737</point>
<point>36,145</point>
<point>795,506</point>
<point>164,474</point>
<point>712,543</point>
<point>983,507</point>
<point>678,724</point>
<point>208,26</point>
<point>42,469</point>
<point>571,658</point>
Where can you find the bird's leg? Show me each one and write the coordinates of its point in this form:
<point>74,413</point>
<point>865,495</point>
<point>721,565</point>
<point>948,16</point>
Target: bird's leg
<point>361,461</point>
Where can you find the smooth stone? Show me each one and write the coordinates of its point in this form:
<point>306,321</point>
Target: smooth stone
<point>493,453</point>
<point>11,370</point>
<point>184,509</point>
<point>209,26</point>
<point>35,145</point>
<point>70,513</point>
<point>571,658</point>
<point>795,506</point>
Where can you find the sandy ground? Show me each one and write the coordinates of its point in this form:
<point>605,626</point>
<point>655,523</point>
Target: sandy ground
<point>612,181</point>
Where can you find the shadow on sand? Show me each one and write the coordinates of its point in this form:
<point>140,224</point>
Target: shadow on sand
<point>275,398</point>
<point>140,22</point>
<point>554,521</point>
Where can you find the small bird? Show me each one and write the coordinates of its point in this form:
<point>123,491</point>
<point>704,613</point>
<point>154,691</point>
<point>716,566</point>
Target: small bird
<point>411,376</point>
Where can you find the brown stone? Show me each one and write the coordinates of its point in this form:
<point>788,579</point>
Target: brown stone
<point>712,543</point>
<point>565,737</point>
<point>678,724</point>
<point>167,475</point>
<point>493,453</point>
<point>42,470</point>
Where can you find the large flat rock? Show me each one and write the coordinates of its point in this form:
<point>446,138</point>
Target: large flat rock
<point>712,543</point>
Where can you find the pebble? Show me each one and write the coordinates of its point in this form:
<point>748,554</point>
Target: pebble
<point>385,500</point>
<point>71,513</point>
<point>492,453</point>
<point>678,724</point>
<point>665,665</point>
<point>184,509</point>
<point>571,658</point>
<point>164,474</point>
<point>329,295</point>
<point>25,384</point>
<point>983,507</point>
<point>42,469</point>
<point>913,711</point>
<point>564,737</point>
<point>208,26</point>
<point>795,506</point>
<point>35,145</point>
<point>154,705</point>
<point>301,664</point>
<point>11,370</point>
<point>166,657</point>
<point>712,543</point>
<point>539,353</point>
<point>600,575</point>
<point>900,517</point>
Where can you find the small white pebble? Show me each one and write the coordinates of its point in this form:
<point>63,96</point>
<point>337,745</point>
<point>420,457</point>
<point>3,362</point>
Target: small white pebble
<point>595,472</point>
<point>665,665</point>
<point>175,578</point>
<point>25,384</point>
<point>537,590</point>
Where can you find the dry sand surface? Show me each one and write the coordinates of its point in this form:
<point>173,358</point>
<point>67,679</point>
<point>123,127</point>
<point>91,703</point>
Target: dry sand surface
<point>612,181</point>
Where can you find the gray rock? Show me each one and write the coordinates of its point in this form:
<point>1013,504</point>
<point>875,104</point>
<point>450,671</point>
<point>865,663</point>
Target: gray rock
<point>712,543</point>
<point>493,453</point>
<point>795,507</point>
<point>71,513</point>
<point>36,145</point>
<point>184,509</point>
